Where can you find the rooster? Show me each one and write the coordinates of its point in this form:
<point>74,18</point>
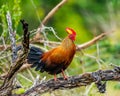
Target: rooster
<point>56,60</point>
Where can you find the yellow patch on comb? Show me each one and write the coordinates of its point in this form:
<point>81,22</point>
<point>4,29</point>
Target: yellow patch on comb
<point>69,31</point>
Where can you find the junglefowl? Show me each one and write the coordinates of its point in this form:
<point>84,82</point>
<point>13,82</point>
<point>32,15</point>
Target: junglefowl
<point>55,60</point>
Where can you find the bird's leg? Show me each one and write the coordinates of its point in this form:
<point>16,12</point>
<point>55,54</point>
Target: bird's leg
<point>64,76</point>
<point>55,77</point>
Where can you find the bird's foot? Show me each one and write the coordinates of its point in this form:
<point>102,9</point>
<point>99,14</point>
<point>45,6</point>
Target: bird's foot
<point>55,78</point>
<point>65,77</point>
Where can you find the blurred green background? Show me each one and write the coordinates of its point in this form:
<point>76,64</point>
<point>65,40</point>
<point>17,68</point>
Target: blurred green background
<point>88,18</point>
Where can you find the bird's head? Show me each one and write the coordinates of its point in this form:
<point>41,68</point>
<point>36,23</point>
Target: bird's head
<point>71,33</point>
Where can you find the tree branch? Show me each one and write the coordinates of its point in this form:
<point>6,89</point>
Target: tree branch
<point>12,37</point>
<point>75,81</point>
<point>53,11</point>
<point>48,16</point>
<point>91,42</point>
<point>7,86</point>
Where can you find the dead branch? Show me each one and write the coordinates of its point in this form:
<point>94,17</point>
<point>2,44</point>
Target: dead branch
<point>53,11</point>
<point>91,42</point>
<point>7,86</point>
<point>12,37</point>
<point>76,81</point>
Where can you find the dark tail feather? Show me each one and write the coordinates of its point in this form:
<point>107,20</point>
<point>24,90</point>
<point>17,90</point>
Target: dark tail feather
<point>40,66</point>
<point>34,55</point>
<point>34,58</point>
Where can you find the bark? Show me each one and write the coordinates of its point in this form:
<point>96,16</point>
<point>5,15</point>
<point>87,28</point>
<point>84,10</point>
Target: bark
<point>77,81</point>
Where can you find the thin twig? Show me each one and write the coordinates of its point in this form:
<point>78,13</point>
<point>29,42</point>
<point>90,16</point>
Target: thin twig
<point>12,37</point>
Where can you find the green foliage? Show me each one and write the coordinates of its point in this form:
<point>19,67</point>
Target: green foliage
<point>18,91</point>
<point>117,86</point>
<point>15,10</point>
<point>3,11</point>
<point>16,13</point>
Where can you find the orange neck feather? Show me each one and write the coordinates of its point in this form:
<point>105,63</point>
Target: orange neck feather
<point>67,43</point>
